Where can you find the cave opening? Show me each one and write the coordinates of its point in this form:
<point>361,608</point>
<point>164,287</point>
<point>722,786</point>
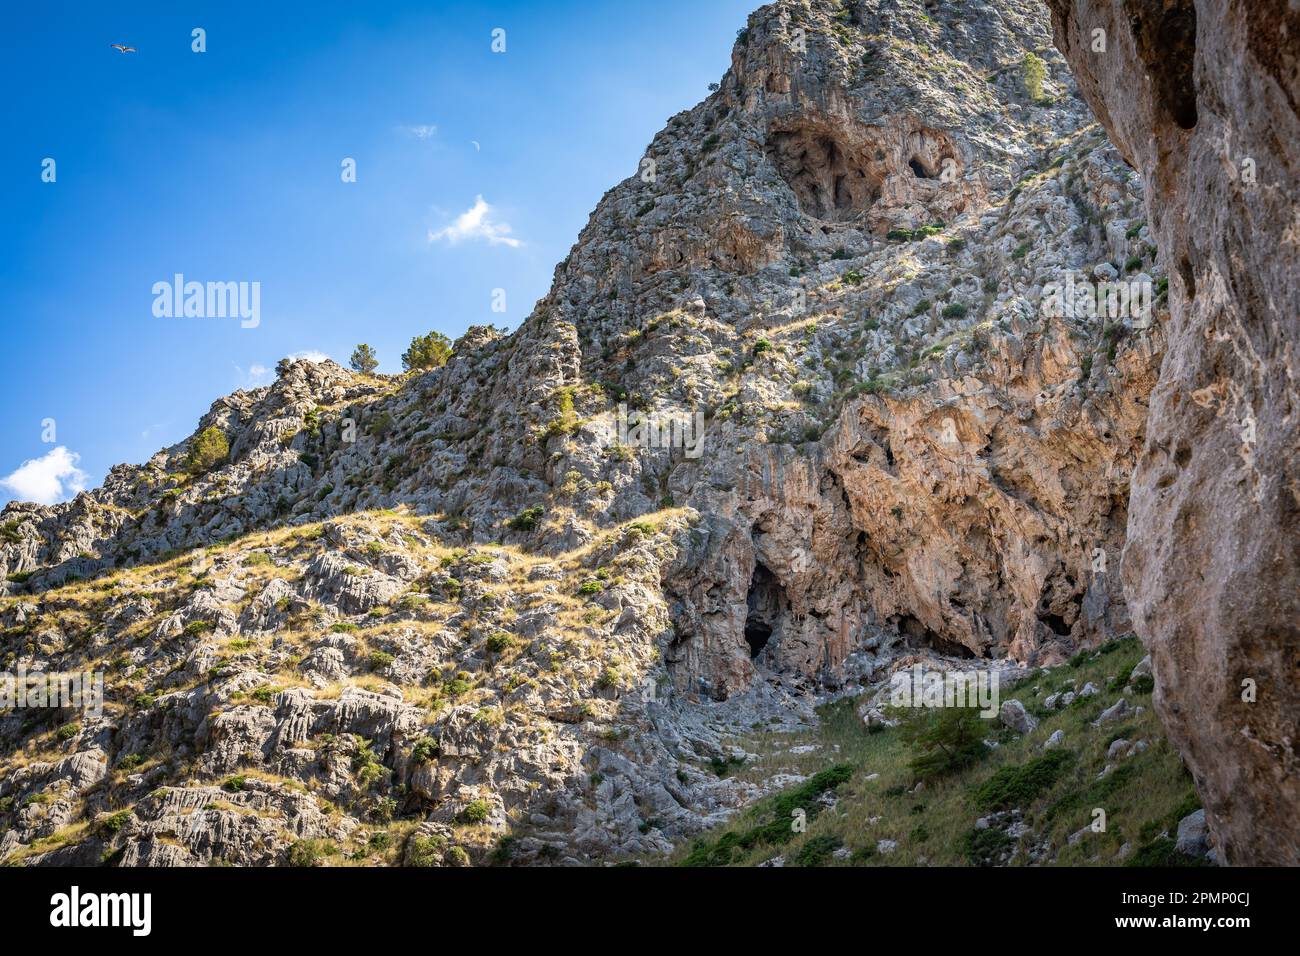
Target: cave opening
<point>1056,624</point>
<point>831,180</point>
<point>918,168</point>
<point>917,635</point>
<point>766,605</point>
<point>757,634</point>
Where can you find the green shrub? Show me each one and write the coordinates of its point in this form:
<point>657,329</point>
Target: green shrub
<point>1163,852</point>
<point>424,850</point>
<point>954,310</point>
<point>427,352</point>
<point>778,829</point>
<point>504,849</point>
<point>426,751</point>
<point>207,451</point>
<point>984,847</point>
<point>1034,71</point>
<point>476,811</point>
<point>498,642</point>
<point>456,687</point>
<point>308,852</point>
<point>112,825</point>
<point>265,694</point>
<point>379,660</point>
<point>527,519</point>
<point>816,851</point>
<point>1020,786</point>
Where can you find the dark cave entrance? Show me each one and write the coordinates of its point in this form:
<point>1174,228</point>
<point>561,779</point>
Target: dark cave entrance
<point>917,635</point>
<point>918,168</point>
<point>757,634</point>
<point>766,602</point>
<point>1056,624</point>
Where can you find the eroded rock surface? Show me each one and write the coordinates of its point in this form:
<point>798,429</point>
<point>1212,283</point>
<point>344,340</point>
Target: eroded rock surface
<point>1203,98</point>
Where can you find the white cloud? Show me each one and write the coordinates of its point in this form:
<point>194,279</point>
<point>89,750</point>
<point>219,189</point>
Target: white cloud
<point>49,479</point>
<point>256,376</point>
<point>477,223</point>
<point>420,131</point>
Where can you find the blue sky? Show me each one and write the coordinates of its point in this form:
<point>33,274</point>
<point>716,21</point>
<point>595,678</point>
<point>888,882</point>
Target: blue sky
<point>225,166</point>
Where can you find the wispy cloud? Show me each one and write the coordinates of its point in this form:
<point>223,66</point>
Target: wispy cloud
<point>256,375</point>
<point>311,355</point>
<point>477,222</point>
<point>159,426</point>
<point>420,130</point>
<point>49,479</point>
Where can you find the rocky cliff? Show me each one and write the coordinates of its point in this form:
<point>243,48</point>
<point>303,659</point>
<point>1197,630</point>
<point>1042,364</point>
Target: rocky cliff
<point>1202,98</point>
<point>476,614</point>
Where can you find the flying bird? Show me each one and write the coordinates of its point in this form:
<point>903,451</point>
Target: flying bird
<point>122,48</point>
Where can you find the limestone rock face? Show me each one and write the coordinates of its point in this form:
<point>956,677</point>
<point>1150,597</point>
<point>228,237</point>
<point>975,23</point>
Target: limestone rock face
<point>1202,97</point>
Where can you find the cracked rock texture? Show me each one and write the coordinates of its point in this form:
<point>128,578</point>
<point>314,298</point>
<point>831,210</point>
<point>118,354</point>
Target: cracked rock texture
<point>1203,99</point>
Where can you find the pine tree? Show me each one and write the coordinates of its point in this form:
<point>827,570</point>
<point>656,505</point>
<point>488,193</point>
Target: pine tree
<point>363,359</point>
<point>1035,71</point>
<point>426,352</point>
<point>207,451</point>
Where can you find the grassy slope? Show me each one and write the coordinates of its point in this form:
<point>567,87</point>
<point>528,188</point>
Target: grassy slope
<point>1144,795</point>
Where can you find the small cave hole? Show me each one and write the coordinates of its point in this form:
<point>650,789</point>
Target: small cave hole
<point>919,168</point>
<point>757,634</point>
<point>767,603</point>
<point>1056,623</point>
<point>917,635</point>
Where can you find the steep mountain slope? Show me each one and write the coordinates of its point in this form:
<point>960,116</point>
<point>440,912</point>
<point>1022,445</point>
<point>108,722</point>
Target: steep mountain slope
<point>455,608</point>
